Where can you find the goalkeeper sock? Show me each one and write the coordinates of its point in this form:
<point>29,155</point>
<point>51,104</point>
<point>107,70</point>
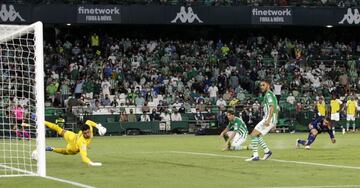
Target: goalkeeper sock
<point>54,127</point>
<point>60,150</point>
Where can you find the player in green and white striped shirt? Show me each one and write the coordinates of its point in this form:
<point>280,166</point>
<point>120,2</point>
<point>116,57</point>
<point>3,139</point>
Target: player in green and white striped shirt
<point>235,132</point>
<point>271,110</point>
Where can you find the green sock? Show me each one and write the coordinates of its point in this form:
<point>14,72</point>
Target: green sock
<point>263,144</point>
<point>254,145</point>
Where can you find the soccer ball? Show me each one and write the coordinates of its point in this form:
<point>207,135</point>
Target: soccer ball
<point>34,155</point>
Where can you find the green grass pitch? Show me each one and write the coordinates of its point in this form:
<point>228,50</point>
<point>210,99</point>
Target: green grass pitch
<point>197,161</point>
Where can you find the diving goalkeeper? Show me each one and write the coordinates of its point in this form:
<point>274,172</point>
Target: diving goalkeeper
<point>77,143</point>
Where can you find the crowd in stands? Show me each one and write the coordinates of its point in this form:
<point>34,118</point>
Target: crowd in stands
<point>143,76</point>
<point>340,3</point>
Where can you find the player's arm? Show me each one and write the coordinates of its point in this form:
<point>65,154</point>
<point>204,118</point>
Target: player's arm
<point>47,123</point>
<point>356,111</point>
<point>85,158</point>
<point>90,123</point>
<point>101,129</point>
<point>271,111</point>
<point>332,137</point>
<point>224,132</point>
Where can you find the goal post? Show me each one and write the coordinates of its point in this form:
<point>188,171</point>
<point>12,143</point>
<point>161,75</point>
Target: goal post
<point>22,128</point>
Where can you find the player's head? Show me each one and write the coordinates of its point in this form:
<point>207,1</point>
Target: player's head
<point>327,121</point>
<point>334,96</point>
<point>230,114</point>
<point>264,86</point>
<point>85,131</point>
<point>321,98</point>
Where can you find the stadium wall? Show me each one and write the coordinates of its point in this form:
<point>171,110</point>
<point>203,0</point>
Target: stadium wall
<point>179,15</point>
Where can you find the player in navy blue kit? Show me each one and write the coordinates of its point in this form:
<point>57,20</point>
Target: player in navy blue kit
<point>317,126</point>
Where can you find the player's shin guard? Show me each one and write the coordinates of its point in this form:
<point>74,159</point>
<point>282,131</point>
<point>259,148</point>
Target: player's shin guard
<point>263,144</point>
<point>254,145</point>
<point>311,139</point>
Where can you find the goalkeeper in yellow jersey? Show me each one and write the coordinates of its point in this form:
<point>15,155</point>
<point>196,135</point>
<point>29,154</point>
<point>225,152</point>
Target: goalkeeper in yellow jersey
<point>77,143</point>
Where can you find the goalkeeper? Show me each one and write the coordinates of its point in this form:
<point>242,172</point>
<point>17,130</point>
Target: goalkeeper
<point>77,143</point>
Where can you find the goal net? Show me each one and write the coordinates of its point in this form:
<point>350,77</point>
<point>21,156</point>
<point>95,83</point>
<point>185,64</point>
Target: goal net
<point>21,100</point>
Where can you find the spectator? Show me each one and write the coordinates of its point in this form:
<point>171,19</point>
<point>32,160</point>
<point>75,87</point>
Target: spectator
<point>132,116</point>
<point>290,99</point>
<point>221,102</point>
<point>105,100</point>
<point>144,117</point>
<point>123,117</point>
<point>155,115</point>
<point>176,116</point>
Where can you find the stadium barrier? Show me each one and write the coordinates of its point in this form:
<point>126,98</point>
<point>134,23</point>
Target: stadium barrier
<point>289,121</point>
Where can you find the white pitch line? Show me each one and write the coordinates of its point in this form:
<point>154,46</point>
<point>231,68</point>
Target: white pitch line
<point>68,182</point>
<point>28,173</point>
<point>276,160</point>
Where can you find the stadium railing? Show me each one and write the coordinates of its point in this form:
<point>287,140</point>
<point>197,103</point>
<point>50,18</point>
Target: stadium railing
<point>289,120</point>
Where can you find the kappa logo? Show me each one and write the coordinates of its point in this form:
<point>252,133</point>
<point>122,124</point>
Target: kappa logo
<point>350,17</point>
<point>186,17</point>
<point>9,15</point>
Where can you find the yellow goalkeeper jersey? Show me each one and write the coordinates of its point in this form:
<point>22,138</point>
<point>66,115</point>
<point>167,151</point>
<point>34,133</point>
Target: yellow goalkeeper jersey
<point>76,143</point>
<point>321,108</point>
<point>335,106</point>
<point>351,107</point>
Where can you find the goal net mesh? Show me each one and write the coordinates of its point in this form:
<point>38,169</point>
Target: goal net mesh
<point>18,100</point>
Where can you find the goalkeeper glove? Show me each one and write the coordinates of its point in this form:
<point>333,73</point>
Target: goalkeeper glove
<point>95,164</point>
<point>101,129</point>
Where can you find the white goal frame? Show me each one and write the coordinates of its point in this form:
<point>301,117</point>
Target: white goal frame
<point>37,29</point>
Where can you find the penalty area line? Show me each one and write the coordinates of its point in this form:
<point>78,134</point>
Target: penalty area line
<point>68,182</point>
<point>275,160</point>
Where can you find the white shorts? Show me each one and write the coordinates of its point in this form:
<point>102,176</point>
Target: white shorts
<point>350,118</point>
<point>237,141</point>
<point>335,117</point>
<point>264,130</point>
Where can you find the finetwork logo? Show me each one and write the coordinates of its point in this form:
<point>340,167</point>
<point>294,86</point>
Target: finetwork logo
<point>186,17</point>
<point>82,10</point>
<point>268,12</point>
<point>98,14</point>
<point>271,15</point>
<point>350,17</point>
<point>9,15</point>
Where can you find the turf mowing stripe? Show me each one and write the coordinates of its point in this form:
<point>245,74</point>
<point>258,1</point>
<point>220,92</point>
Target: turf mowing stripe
<point>276,160</point>
<point>68,182</point>
<point>320,186</point>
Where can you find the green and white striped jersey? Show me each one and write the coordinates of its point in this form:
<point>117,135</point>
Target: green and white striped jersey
<point>238,125</point>
<point>270,100</point>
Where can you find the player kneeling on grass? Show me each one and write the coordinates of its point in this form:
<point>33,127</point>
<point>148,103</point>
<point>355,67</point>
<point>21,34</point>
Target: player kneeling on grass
<point>235,133</point>
<point>77,143</point>
<point>317,126</point>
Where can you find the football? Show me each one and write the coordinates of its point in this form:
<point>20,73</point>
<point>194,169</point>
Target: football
<point>34,155</point>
